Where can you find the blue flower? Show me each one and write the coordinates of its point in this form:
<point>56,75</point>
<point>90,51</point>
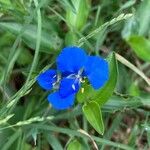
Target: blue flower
<point>74,66</point>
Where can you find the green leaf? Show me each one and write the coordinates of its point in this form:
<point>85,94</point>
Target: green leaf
<point>49,42</point>
<point>106,91</point>
<point>13,137</point>
<point>134,89</point>
<point>78,18</point>
<point>121,17</point>
<point>12,6</point>
<point>119,103</point>
<point>143,17</point>
<point>5,2</point>
<point>93,114</point>
<point>25,57</point>
<point>68,4</point>
<point>75,145</point>
<point>140,22</point>
<point>71,38</point>
<point>131,27</point>
<point>140,46</point>
<point>86,93</point>
<point>53,141</point>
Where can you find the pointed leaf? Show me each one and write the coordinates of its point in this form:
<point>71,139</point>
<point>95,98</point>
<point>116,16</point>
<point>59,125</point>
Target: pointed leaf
<point>143,17</point>
<point>118,103</point>
<point>78,18</point>
<point>93,114</point>
<point>49,42</point>
<point>85,93</point>
<point>140,46</point>
<point>107,90</point>
<point>53,141</point>
<point>75,145</point>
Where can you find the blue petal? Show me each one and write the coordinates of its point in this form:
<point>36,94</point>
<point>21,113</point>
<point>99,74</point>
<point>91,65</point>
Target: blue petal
<point>60,103</point>
<point>46,79</point>
<point>68,87</point>
<point>71,60</point>
<point>97,71</point>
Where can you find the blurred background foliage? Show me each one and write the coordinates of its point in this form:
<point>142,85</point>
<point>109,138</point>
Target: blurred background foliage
<point>32,33</point>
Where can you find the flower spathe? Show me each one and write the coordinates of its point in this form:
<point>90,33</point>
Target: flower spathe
<point>74,65</point>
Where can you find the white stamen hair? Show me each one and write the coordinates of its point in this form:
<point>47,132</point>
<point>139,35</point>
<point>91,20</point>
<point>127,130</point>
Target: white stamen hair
<point>73,86</point>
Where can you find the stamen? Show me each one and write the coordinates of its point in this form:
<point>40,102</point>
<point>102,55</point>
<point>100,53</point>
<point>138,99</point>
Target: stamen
<point>82,80</point>
<point>71,76</point>
<point>78,76</point>
<point>54,83</point>
<point>54,76</point>
<point>80,71</point>
<point>58,77</point>
<point>73,86</point>
<point>82,90</point>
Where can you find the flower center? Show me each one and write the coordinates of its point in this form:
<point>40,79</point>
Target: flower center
<point>57,79</point>
<point>77,78</point>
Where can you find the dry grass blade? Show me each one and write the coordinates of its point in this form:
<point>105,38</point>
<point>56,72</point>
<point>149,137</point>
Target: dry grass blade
<point>132,67</point>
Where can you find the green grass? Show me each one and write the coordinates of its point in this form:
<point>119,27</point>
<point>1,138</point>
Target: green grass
<point>33,32</point>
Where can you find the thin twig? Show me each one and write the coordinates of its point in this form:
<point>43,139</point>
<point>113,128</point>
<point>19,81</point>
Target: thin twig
<point>85,133</point>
